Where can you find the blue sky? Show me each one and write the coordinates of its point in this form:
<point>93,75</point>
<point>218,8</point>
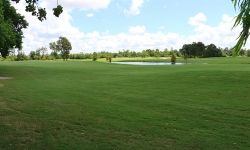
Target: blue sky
<point>113,25</point>
<point>173,15</point>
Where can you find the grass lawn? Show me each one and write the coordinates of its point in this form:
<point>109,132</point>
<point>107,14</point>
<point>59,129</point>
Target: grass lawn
<point>98,105</point>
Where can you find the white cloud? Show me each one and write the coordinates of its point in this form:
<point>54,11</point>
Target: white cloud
<point>137,38</point>
<point>137,30</point>
<point>222,35</point>
<point>79,4</point>
<point>93,35</point>
<point>90,15</point>
<point>134,8</point>
<point>42,33</point>
<point>197,20</point>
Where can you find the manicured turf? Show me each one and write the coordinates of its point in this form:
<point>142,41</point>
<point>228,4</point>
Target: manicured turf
<point>97,105</point>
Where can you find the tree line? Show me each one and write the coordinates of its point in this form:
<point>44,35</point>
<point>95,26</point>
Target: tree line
<point>61,50</point>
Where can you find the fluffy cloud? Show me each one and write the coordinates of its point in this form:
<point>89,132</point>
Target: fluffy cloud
<point>90,15</point>
<point>222,35</point>
<point>137,30</point>
<point>41,33</point>
<point>134,8</point>
<point>134,42</point>
<point>136,38</point>
<point>197,20</point>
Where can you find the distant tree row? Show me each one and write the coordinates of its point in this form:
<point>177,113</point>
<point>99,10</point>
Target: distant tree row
<point>61,50</point>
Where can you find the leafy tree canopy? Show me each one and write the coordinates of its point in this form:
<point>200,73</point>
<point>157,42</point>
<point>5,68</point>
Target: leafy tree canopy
<point>63,45</point>
<point>11,25</point>
<point>33,7</point>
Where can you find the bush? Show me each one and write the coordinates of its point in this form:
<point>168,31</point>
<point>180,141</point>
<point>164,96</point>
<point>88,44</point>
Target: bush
<point>173,59</point>
<point>94,56</point>
<point>110,59</point>
<point>36,57</point>
<point>9,58</point>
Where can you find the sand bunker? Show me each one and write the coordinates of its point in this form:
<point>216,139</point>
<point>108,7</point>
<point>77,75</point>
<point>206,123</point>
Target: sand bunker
<point>5,78</point>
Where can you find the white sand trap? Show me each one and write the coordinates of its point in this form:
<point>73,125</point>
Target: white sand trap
<point>5,78</point>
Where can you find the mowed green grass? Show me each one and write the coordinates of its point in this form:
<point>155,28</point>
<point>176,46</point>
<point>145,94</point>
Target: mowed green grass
<point>97,105</point>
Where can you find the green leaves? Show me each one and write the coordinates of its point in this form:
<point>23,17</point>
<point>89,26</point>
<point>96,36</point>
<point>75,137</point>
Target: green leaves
<point>58,10</point>
<point>63,45</point>
<point>11,27</point>
<point>243,19</point>
<point>38,11</point>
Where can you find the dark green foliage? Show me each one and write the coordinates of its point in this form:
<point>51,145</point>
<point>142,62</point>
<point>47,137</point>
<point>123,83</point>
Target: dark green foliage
<point>32,55</point>
<point>185,56</point>
<point>248,53</point>
<point>62,45</point>
<point>173,59</point>
<point>11,27</point>
<point>58,10</point>
<point>186,49</point>
<point>109,59</point>
<point>212,51</point>
<point>21,56</point>
<point>200,50</point>
<point>33,7</point>
<point>242,19</point>
<point>242,52</point>
<point>94,57</point>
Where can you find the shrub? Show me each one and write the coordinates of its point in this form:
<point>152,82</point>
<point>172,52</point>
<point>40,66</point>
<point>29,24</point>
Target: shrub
<point>36,57</point>
<point>9,58</point>
<point>173,59</point>
<point>94,56</point>
<point>185,56</point>
<point>110,59</point>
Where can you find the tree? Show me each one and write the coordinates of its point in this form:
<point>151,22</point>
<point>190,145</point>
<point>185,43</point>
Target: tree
<point>243,20</point>
<point>157,53</point>
<point>54,49</point>
<point>11,25</point>
<point>248,53</point>
<point>212,51</point>
<point>64,46</point>
<point>197,49</point>
<point>173,59</point>
<point>242,52</point>
<point>33,7</point>
<point>32,55</point>
<point>186,50</point>
<point>144,54</point>
<point>42,51</point>
<point>166,52</point>
<point>94,56</point>
<point>185,56</point>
